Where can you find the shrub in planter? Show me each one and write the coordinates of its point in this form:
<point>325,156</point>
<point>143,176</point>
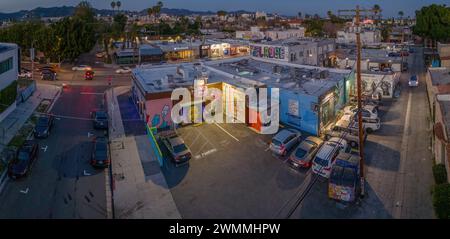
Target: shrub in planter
<point>440,174</point>
<point>441,200</point>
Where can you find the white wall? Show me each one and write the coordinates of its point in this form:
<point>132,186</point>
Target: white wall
<point>7,77</point>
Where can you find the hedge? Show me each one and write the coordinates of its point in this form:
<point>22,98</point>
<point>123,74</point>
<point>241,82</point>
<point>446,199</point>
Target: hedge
<point>441,200</point>
<point>440,173</point>
<point>8,96</point>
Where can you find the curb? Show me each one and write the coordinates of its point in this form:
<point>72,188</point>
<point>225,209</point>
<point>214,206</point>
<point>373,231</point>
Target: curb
<point>3,181</point>
<point>109,172</point>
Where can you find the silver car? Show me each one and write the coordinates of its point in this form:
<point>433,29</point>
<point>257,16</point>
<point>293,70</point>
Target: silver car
<point>179,152</point>
<point>284,141</point>
<point>305,152</point>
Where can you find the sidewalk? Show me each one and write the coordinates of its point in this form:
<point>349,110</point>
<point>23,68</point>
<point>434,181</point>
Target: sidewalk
<point>16,119</point>
<point>140,190</point>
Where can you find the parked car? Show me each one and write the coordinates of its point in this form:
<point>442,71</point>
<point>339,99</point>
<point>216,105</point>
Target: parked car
<point>305,152</point>
<point>284,141</point>
<point>179,151</point>
<point>48,74</point>
<point>123,70</point>
<point>82,68</point>
<point>100,155</point>
<point>323,161</point>
<point>43,126</point>
<point>347,129</point>
<point>100,119</point>
<point>89,75</point>
<point>411,50</point>
<point>368,111</point>
<point>413,81</point>
<point>404,53</point>
<point>24,73</point>
<point>21,165</point>
<point>394,54</point>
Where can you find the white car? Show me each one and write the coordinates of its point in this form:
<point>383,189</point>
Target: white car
<point>368,111</point>
<point>25,74</point>
<point>82,68</point>
<point>123,70</point>
<point>413,81</point>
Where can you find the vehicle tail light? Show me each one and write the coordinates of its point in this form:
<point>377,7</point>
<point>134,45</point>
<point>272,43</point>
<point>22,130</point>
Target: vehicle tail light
<point>94,161</point>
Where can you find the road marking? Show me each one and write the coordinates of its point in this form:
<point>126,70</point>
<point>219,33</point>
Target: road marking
<point>86,173</point>
<point>91,93</point>
<point>58,118</point>
<point>25,191</point>
<point>226,132</point>
<point>399,184</point>
<point>211,151</point>
<point>45,148</point>
<point>90,134</point>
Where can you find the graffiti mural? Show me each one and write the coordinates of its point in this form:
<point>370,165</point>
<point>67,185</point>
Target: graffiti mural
<point>268,52</point>
<point>158,113</point>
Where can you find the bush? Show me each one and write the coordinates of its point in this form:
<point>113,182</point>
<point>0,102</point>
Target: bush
<point>440,174</point>
<point>441,200</point>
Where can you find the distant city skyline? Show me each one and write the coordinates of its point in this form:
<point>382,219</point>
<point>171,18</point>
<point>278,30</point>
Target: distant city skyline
<point>283,7</point>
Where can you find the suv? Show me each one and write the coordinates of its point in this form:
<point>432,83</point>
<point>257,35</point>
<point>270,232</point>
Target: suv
<point>25,157</point>
<point>368,111</point>
<point>43,126</point>
<point>323,161</point>
<point>100,118</point>
<point>346,128</point>
<point>285,140</point>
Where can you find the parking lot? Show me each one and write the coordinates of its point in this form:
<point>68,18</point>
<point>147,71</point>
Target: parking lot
<point>232,174</point>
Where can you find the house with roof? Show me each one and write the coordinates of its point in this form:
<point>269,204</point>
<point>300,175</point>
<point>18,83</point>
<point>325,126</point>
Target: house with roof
<point>438,89</point>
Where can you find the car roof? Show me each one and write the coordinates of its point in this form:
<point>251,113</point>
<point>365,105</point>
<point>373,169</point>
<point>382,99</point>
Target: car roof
<point>314,139</point>
<point>325,150</point>
<point>100,113</point>
<point>176,141</point>
<point>337,140</point>
<point>283,134</point>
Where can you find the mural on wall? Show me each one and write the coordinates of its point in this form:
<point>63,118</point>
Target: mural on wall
<point>159,113</point>
<point>268,52</point>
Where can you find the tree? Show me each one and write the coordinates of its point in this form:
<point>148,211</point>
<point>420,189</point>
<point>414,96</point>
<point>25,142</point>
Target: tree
<point>119,23</point>
<point>401,14</point>
<point>299,15</point>
<point>113,5</point>
<point>118,4</point>
<point>329,14</point>
<point>433,22</point>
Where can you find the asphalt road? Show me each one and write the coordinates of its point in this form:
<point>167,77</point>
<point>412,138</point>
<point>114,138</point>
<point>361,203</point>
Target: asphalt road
<point>62,184</point>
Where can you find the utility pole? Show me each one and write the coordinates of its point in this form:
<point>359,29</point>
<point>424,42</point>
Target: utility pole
<point>358,83</point>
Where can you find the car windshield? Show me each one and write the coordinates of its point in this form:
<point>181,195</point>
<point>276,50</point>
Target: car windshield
<point>276,142</point>
<point>322,162</point>
<point>100,150</point>
<point>300,153</point>
<point>101,116</point>
<point>179,148</point>
<point>23,156</point>
<point>413,78</point>
<point>42,122</point>
<point>348,178</point>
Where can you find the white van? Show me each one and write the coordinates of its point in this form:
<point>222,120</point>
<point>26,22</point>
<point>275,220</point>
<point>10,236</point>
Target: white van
<point>323,161</point>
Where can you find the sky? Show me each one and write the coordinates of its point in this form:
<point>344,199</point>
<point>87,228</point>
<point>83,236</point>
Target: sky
<point>284,7</point>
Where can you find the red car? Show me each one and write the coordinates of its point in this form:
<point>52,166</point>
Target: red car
<point>89,75</point>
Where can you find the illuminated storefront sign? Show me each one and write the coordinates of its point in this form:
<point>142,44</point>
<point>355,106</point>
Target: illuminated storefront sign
<point>268,52</point>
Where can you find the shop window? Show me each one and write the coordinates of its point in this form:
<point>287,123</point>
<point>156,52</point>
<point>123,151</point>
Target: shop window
<point>6,65</point>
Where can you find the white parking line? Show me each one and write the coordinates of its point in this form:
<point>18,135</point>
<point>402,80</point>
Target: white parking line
<point>25,191</point>
<point>45,148</point>
<point>91,93</point>
<point>226,132</point>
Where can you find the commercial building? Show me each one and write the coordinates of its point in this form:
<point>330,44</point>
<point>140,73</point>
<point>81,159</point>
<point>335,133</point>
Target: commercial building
<point>438,88</point>
<point>9,69</point>
<point>255,33</point>
<point>179,51</point>
<point>309,97</point>
<point>444,54</point>
<point>305,51</point>
<point>224,48</point>
<point>368,36</point>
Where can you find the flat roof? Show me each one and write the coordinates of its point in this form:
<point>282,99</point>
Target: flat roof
<point>298,41</point>
<point>374,55</point>
<point>175,46</point>
<point>4,47</point>
<point>308,80</point>
<point>439,75</point>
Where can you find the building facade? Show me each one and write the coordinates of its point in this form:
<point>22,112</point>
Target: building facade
<point>9,69</point>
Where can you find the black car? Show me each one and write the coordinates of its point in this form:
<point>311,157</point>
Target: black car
<point>25,157</point>
<point>48,74</point>
<point>100,119</point>
<point>43,126</point>
<point>99,158</point>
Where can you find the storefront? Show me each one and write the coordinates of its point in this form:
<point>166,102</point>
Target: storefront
<point>220,50</point>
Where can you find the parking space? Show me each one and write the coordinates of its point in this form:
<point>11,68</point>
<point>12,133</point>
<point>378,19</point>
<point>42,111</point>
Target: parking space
<point>232,174</point>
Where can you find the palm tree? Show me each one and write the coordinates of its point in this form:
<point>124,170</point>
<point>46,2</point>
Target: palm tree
<point>118,4</point>
<point>377,9</point>
<point>113,5</point>
<point>401,14</point>
<point>329,14</point>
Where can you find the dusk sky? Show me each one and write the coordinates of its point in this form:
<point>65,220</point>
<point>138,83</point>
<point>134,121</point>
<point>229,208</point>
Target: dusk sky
<point>286,7</point>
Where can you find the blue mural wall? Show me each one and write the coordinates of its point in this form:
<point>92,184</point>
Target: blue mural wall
<point>299,111</point>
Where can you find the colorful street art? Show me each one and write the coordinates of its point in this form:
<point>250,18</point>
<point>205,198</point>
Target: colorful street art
<point>159,113</point>
<point>268,52</point>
